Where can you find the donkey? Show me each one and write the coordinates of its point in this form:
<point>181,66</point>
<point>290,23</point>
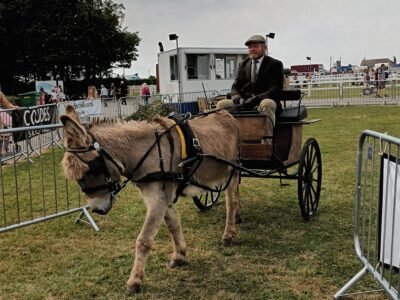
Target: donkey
<point>98,155</point>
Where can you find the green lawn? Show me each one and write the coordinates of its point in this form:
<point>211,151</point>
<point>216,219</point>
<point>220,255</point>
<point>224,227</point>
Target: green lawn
<point>276,254</point>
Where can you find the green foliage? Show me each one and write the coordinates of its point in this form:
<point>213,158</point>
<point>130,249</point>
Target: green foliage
<point>69,39</point>
<point>148,112</point>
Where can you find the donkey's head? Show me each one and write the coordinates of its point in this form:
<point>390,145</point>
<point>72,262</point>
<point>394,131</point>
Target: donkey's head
<point>97,173</point>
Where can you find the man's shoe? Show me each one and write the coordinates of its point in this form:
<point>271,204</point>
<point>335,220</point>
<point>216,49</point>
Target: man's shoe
<point>378,96</point>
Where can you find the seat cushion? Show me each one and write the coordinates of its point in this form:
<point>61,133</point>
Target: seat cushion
<point>293,114</point>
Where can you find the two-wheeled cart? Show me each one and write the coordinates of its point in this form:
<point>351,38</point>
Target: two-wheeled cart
<point>276,159</point>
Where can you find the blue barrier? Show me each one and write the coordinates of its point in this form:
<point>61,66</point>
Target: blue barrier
<point>191,107</point>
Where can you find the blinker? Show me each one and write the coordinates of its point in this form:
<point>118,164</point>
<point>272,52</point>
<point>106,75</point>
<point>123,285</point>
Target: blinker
<point>97,165</point>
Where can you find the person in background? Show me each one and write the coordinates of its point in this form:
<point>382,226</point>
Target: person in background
<point>113,91</point>
<point>42,96</point>
<point>123,92</point>
<point>5,103</point>
<point>60,94</point>
<point>258,84</point>
<point>92,93</point>
<point>380,76</point>
<point>145,93</point>
<point>367,79</point>
<point>104,94</point>
<point>296,81</point>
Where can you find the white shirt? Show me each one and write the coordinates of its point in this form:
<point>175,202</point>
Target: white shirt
<point>259,63</point>
<point>103,91</point>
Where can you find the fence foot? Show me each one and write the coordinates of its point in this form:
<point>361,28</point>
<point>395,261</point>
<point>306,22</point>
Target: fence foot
<point>350,283</point>
<point>90,221</point>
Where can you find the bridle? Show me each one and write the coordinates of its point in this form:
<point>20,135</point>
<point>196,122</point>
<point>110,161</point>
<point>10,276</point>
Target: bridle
<point>97,166</point>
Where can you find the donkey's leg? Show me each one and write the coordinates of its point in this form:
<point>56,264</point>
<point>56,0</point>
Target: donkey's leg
<point>232,199</point>
<point>156,209</point>
<point>173,222</point>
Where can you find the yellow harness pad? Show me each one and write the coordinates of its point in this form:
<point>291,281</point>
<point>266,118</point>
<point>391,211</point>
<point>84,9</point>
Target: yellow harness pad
<point>183,142</point>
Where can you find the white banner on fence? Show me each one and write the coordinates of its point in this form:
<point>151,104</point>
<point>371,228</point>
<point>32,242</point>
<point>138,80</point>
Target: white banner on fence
<point>48,85</point>
<point>84,108</point>
<point>390,213</point>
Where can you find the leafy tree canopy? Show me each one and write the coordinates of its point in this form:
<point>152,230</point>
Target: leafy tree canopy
<point>72,39</point>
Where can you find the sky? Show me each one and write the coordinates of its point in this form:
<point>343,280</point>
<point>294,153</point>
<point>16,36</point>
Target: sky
<point>326,31</point>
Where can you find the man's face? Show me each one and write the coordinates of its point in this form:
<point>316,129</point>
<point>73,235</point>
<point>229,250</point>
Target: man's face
<point>256,50</point>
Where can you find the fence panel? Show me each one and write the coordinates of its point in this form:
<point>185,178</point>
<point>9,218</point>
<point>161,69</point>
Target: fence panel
<point>377,212</point>
<point>34,190</point>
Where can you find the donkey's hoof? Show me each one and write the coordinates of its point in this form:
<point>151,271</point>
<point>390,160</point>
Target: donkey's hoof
<point>227,242</point>
<point>134,289</point>
<point>178,263</point>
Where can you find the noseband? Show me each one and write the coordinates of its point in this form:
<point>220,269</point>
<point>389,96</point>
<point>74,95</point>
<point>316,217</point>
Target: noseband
<point>97,166</point>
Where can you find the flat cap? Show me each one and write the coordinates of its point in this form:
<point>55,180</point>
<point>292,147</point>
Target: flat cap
<point>255,39</point>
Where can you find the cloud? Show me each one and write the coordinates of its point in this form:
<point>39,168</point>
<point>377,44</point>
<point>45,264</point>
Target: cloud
<point>317,28</point>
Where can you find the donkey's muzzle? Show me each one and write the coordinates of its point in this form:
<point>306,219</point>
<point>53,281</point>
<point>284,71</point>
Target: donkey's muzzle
<point>100,211</point>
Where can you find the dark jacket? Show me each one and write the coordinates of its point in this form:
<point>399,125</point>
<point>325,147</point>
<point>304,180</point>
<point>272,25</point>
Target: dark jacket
<point>269,82</point>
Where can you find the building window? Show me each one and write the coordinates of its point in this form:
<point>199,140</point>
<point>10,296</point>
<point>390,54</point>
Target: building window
<point>225,66</point>
<point>198,66</point>
<point>173,67</point>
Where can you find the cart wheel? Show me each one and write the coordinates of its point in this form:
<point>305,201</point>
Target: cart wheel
<point>207,200</point>
<point>309,178</point>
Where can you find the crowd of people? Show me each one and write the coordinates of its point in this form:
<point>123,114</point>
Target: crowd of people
<point>378,77</point>
<point>105,94</point>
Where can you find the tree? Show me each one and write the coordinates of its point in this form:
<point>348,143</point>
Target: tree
<point>75,39</point>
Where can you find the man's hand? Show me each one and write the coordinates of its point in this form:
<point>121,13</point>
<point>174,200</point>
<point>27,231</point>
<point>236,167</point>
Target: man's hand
<point>238,101</point>
<point>252,101</point>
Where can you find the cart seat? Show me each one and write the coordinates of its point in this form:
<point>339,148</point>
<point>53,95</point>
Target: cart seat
<point>293,114</point>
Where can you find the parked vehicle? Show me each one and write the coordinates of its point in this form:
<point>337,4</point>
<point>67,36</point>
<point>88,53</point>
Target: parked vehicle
<point>317,69</point>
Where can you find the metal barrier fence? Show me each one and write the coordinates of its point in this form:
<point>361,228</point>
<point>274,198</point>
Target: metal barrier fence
<point>344,91</point>
<point>347,91</point>
<point>377,212</point>
<point>35,190</point>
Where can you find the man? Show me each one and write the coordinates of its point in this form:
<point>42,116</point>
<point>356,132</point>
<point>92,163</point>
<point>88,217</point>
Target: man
<point>123,92</point>
<point>104,95</point>
<point>380,76</point>
<point>258,83</point>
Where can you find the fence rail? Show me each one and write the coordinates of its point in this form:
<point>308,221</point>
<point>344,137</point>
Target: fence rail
<point>376,225</point>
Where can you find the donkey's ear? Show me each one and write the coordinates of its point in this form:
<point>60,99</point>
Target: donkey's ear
<point>72,113</point>
<point>74,133</point>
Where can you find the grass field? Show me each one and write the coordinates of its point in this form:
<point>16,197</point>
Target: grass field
<point>276,254</point>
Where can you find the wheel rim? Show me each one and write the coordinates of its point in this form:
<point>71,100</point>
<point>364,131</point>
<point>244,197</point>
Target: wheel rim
<point>309,179</point>
<point>208,199</point>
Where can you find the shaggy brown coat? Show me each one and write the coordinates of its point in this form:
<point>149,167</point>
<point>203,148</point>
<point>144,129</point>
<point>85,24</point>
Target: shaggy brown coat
<point>127,142</point>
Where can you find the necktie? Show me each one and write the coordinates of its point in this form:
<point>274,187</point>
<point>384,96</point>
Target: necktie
<point>254,71</point>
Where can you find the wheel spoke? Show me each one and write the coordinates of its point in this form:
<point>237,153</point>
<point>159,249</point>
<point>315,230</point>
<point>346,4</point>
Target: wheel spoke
<point>311,198</point>
<point>313,189</point>
<point>310,155</point>
<point>306,199</point>
<point>316,167</point>
<point>313,159</point>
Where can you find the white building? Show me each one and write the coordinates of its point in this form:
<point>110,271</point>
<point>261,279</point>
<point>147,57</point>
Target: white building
<point>215,68</point>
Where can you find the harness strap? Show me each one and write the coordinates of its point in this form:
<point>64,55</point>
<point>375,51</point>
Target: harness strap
<point>159,176</point>
<point>183,141</point>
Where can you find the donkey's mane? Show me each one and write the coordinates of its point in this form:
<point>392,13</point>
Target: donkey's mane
<point>116,129</point>
<point>97,123</point>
